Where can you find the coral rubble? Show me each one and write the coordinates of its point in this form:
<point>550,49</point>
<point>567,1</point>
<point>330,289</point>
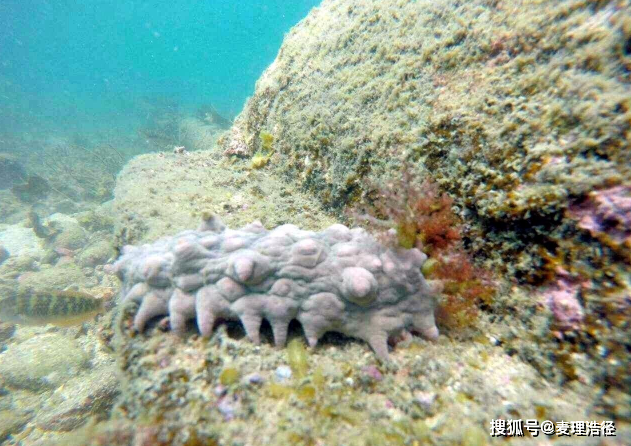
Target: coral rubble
<point>340,280</point>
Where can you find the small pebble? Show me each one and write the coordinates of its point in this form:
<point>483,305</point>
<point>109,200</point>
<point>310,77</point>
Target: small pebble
<point>373,372</point>
<point>282,373</point>
<point>220,390</point>
<point>425,399</point>
<point>508,406</point>
<point>226,408</point>
<point>254,378</point>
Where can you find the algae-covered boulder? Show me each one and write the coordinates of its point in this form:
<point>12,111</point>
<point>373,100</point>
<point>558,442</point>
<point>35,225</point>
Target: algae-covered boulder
<point>520,111</point>
<point>42,362</point>
<point>55,277</point>
<point>516,109</point>
<point>97,253</point>
<point>68,232</point>
<point>160,194</point>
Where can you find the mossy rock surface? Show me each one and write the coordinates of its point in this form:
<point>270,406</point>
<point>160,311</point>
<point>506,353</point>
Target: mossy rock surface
<point>56,277</point>
<point>97,253</point>
<point>338,394</point>
<point>516,109</point>
<point>68,232</point>
<point>162,194</point>
<point>42,362</point>
<point>520,111</point>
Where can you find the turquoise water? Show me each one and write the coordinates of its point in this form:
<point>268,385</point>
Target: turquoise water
<point>89,65</point>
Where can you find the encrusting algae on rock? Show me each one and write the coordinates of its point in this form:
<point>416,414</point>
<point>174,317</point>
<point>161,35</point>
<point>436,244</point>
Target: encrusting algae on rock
<point>340,280</point>
<point>61,308</point>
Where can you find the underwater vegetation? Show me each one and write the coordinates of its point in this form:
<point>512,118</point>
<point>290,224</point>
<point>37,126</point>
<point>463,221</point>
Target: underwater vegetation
<point>262,157</point>
<point>161,128</point>
<point>69,171</point>
<point>419,215</point>
<point>166,125</point>
<point>34,188</point>
<point>11,171</point>
<point>88,173</point>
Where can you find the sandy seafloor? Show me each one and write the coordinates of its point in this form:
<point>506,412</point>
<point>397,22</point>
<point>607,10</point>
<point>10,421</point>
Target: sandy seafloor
<point>100,384</point>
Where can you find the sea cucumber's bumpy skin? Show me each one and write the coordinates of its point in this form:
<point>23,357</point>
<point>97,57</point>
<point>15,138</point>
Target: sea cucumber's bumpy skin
<point>339,280</point>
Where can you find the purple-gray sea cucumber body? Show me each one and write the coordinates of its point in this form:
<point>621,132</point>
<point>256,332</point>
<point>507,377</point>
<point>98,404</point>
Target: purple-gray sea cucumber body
<point>340,280</point>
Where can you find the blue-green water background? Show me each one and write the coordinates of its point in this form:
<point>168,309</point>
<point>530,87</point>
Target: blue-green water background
<point>72,65</point>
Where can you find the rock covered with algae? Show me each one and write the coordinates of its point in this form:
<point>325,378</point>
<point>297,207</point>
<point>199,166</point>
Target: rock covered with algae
<point>339,280</point>
<point>517,109</point>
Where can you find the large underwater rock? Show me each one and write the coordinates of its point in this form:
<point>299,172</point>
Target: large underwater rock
<point>159,194</point>
<point>518,110</point>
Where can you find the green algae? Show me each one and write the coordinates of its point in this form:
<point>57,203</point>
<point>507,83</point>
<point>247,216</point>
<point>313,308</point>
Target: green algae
<point>229,376</point>
<point>298,358</point>
<point>267,141</point>
<point>263,156</point>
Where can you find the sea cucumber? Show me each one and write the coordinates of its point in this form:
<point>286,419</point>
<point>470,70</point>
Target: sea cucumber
<point>340,280</point>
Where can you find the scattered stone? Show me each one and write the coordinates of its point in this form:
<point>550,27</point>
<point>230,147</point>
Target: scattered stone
<point>86,395</point>
<point>4,254</point>
<point>70,234</point>
<point>42,362</point>
<point>220,390</point>
<point>282,373</point>
<point>562,299</point>
<point>12,423</point>
<point>228,406</point>
<point>63,274</point>
<point>425,400</point>
<point>254,378</point>
<point>21,241</point>
<point>96,254</point>
<point>373,373</point>
<point>6,331</point>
